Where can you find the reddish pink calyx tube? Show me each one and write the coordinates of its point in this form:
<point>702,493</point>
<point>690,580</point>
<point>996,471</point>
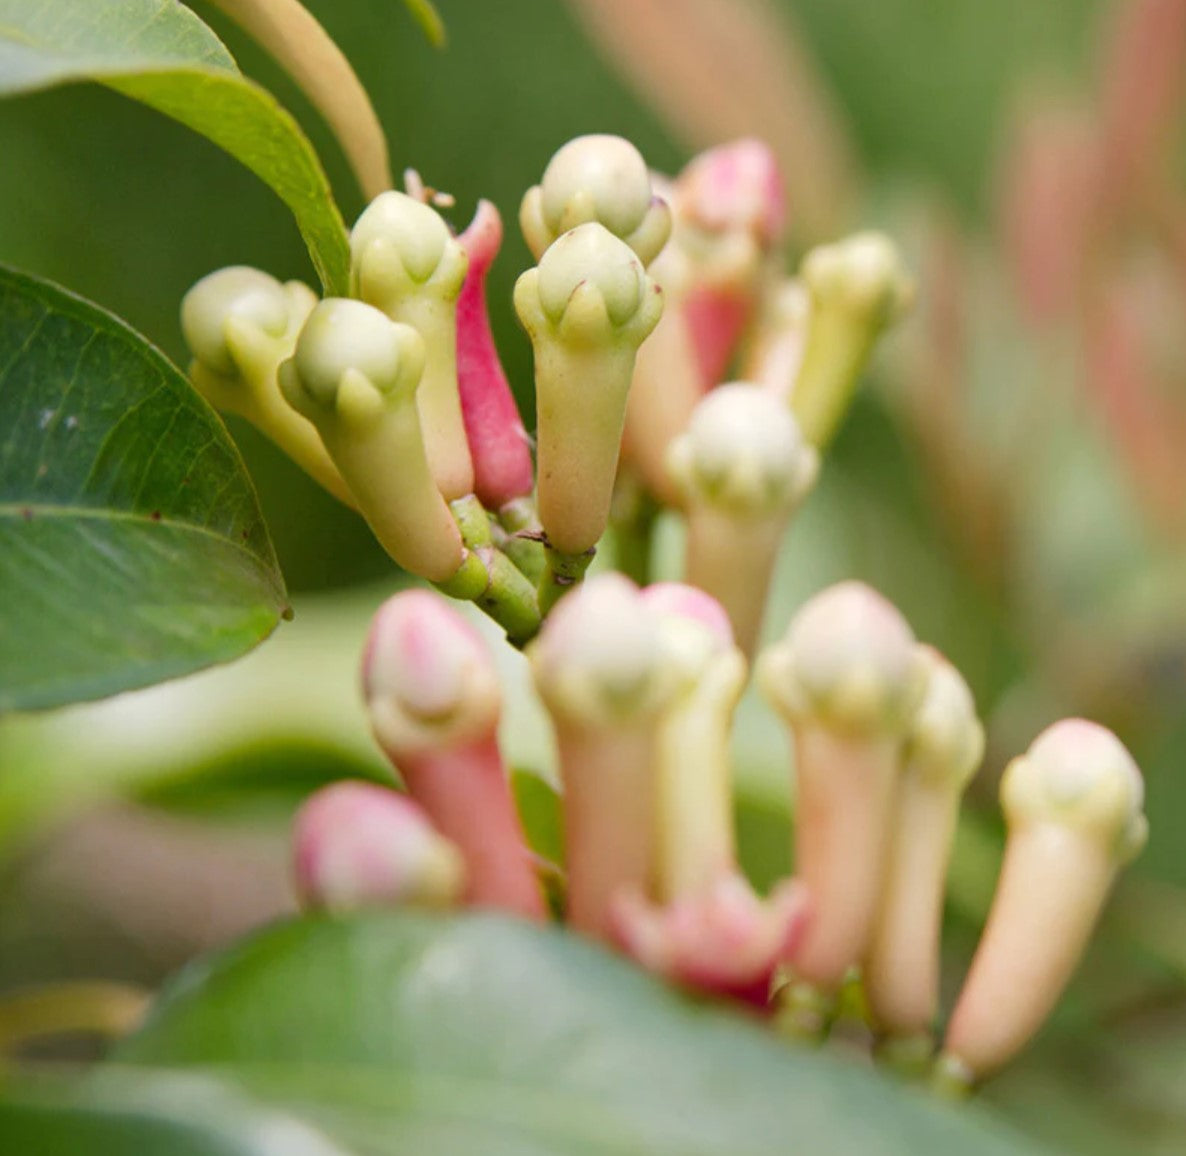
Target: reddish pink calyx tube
<point>716,319</point>
<point>465,791</point>
<point>498,442</point>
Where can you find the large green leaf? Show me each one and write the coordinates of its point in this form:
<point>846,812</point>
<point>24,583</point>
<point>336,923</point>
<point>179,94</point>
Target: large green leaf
<point>159,52</point>
<point>132,548</point>
<point>158,1115</point>
<point>412,1033</point>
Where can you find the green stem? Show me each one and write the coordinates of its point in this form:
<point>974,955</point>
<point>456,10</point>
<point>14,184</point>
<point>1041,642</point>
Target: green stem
<point>561,573</point>
<point>633,514</point>
<point>910,1056</point>
<point>510,599</point>
<point>524,537</point>
<point>489,579</point>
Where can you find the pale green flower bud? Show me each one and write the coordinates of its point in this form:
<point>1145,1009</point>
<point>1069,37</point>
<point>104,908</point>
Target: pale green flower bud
<point>848,662</point>
<point>239,292</point>
<point>1079,775</point>
<point>742,469</point>
<point>355,375</point>
<point>596,178</point>
<point>590,284</point>
<point>600,659</point>
<point>587,308</point>
<point>849,679</point>
<point>946,740</point>
<point>406,262</point>
<point>240,324</point>
<point>863,275</point>
<point>742,451</point>
<point>1073,804</point>
<point>944,747</point>
<point>858,287</point>
<point>603,671</point>
<point>400,244</point>
<point>344,340</point>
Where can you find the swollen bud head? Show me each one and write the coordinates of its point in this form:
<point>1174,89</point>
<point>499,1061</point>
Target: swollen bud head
<point>398,245</point>
<point>600,657</point>
<point>946,740</point>
<point>863,275</point>
<point>1078,774</point>
<point>238,292</point>
<point>735,186</point>
<point>848,662</point>
<point>357,845</point>
<point>599,179</point>
<point>742,451</point>
<point>349,337</point>
<point>430,682</point>
<point>590,264</point>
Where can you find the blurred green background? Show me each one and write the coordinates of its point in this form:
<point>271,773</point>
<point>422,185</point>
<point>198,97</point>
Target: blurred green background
<point>1030,552</point>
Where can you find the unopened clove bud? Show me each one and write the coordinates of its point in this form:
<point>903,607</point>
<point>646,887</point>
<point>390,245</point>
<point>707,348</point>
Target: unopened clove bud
<point>602,671</point>
<point>743,469</point>
<point>354,375</point>
<point>434,702</point>
<point>596,178</point>
<point>701,923</point>
<point>729,207</point>
<point>944,747</point>
<point>858,288</point>
<point>357,844</point>
<point>848,678</point>
<point>587,307</point>
<point>1074,808</point>
<point>407,263</point>
<point>240,324</point>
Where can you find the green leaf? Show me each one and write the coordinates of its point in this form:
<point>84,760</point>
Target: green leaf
<point>132,548</point>
<point>158,1115</point>
<point>411,1033</point>
<point>160,53</point>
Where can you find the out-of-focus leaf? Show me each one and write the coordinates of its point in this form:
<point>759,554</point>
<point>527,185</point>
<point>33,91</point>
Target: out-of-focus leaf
<point>403,1033</point>
<point>148,1114</point>
<point>132,548</point>
<point>160,53</point>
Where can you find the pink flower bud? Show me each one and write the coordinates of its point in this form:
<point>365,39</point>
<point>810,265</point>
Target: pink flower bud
<point>499,445</point>
<point>734,186</point>
<point>433,697</point>
<point>357,844</point>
